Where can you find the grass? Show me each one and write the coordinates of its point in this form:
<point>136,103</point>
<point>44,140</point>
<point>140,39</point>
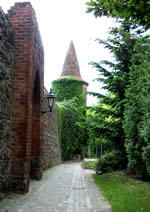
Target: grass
<point>124,193</point>
<point>88,164</point>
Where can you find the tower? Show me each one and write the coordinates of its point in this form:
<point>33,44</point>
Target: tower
<point>71,67</point>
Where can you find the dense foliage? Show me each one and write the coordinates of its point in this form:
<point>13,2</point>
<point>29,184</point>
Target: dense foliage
<point>67,87</point>
<point>138,11</point>
<point>71,136</point>
<point>110,110</point>
<point>137,111</point>
<point>108,163</point>
<point>93,125</point>
<point>71,110</point>
<point>124,113</point>
<point>122,117</point>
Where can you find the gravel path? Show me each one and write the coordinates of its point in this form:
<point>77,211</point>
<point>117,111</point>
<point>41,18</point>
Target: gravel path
<point>64,188</point>
<point>97,200</point>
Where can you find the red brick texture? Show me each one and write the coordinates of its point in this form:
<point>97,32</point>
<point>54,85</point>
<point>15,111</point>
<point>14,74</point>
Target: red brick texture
<point>28,92</point>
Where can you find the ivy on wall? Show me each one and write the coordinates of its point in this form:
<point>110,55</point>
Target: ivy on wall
<point>66,88</point>
<point>71,110</point>
<point>59,110</point>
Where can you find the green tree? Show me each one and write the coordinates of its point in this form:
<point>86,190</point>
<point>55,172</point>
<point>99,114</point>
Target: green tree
<point>93,124</point>
<point>138,11</point>
<point>137,111</point>
<point>116,80</point>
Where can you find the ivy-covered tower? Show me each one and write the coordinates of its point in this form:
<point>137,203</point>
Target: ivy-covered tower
<point>71,100</point>
<point>70,79</point>
<point>71,66</point>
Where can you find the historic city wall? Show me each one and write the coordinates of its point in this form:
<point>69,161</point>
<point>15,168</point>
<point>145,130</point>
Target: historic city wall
<point>28,140</point>
<point>7,72</point>
<point>51,146</point>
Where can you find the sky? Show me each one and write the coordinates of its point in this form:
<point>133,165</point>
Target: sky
<point>59,23</point>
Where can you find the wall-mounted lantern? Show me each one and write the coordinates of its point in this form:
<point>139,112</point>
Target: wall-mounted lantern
<point>50,100</point>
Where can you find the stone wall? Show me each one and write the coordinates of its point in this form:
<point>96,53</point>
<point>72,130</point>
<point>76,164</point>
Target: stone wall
<point>51,146</point>
<point>6,110</point>
<point>25,149</point>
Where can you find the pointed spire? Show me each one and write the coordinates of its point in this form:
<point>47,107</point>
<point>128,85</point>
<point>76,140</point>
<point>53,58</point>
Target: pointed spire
<point>71,66</point>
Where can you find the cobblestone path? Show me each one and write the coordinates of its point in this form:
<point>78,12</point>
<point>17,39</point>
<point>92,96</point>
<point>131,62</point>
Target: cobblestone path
<point>64,188</point>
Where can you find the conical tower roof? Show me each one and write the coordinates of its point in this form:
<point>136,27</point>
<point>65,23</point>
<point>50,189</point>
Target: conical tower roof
<point>71,66</point>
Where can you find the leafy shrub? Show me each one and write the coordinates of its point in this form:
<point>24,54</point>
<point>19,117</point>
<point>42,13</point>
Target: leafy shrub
<point>110,162</point>
<point>72,137</point>
<point>71,110</point>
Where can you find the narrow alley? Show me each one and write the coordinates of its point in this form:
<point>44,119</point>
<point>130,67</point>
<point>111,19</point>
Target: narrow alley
<point>64,188</point>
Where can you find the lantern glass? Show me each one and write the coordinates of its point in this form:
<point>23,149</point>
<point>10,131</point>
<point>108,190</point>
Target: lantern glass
<point>50,103</point>
<point>50,99</point>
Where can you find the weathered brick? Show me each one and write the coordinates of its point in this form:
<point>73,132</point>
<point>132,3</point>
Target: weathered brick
<point>22,18</point>
<point>23,151</point>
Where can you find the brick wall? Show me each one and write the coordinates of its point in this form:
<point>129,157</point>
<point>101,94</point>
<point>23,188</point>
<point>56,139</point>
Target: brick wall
<point>28,94</point>
<point>25,149</point>
<point>6,110</point>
